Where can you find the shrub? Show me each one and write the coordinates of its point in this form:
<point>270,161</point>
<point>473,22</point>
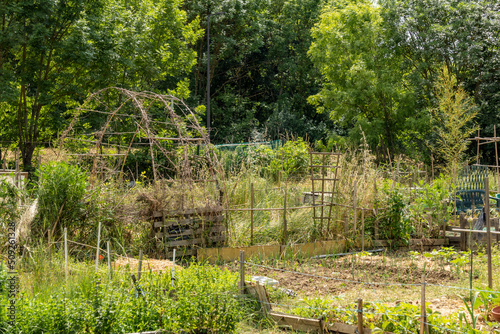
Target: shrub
<point>204,299</point>
<point>9,195</point>
<point>290,159</point>
<point>60,195</point>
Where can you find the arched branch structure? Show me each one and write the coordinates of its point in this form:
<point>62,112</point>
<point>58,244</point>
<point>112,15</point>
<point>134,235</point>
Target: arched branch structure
<point>116,127</point>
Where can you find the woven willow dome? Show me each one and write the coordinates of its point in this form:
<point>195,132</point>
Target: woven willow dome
<point>137,136</point>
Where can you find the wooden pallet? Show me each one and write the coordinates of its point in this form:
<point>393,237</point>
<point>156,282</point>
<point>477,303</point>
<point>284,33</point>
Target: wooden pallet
<point>188,230</point>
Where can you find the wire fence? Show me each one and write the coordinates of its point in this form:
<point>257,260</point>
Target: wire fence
<point>373,309</point>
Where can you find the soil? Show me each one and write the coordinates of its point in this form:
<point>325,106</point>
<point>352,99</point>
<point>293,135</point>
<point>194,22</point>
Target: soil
<point>377,269</point>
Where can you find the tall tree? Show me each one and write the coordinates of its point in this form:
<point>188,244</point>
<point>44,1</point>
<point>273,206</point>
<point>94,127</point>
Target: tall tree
<point>363,86</point>
<point>260,72</point>
<point>53,52</point>
<point>464,36</point>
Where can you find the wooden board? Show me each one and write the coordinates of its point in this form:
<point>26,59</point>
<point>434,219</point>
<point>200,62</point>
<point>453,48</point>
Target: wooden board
<point>172,222</point>
<point>413,242</point>
<point>182,252</point>
<point>216,211</point>
<point>310,325</point>
<point>197,241</point>
<point>268,251</point>
<point>296,323</point>
<point>196,232</point>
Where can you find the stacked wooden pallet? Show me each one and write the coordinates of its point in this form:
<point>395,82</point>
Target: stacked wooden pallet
<point>188,230</point>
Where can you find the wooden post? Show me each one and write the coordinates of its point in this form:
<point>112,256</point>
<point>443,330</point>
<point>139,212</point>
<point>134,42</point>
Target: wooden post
<point>16,177</point>
<point>173,268</point>
<point>363,230</point>
<point>251,213</point>
<point>424,328</point>
<point>139,268</point>
<point>66,271</point>
<point>360,316</point>
<point>108,249</point>
<point>98,245</point>
<point>312,189</point>
<point>346,224</point>
<point>323,176</point>
<point>242,272</point>
<point>477,157</point>
<point>355,206</point>
<point>285,232</point>
<point>463,235</point>
<point>496,158</point>
<point>488,228</point>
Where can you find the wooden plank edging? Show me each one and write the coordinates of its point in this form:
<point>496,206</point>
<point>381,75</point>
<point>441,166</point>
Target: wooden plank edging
<point>266,251</point>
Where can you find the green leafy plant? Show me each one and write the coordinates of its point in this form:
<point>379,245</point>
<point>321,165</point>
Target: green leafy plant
<point>393,223</point>
<point>470,327</point>
<point>61,198</point>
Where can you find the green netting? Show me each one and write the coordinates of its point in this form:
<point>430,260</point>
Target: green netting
<point>232,147</point>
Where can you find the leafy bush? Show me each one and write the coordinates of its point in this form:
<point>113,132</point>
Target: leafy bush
<point>60,196</point>
<point>9,195</point>
<point>204,300</point>
<point>393,220</point>
<point>430,208</point>
<point>290,159</point>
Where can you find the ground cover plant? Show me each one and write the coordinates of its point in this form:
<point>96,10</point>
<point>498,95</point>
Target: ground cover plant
<point>201,299</point>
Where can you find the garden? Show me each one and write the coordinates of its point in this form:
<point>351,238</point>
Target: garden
<point>65,283</point>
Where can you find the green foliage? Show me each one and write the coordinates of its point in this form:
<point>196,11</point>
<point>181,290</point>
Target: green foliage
<point>452,119</point>
<point>53,54</point>
<point>9,197</point>
<point>292,159</point>
<point>402,318</point>
<point>393,221</point>
<point>363,85</point>
<point>204,300</point>
<point>430,208</point>
<point>461,35</point>
<point>61,197</point>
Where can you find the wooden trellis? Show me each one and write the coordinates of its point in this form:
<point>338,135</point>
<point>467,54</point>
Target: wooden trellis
<point>324,179</point>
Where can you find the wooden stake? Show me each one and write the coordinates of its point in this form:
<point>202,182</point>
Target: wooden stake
<point>66,271</point>
<point>285,232</point>
<point>496,158</point>
<point>346,224</point>
<point>323,177</point>
<point>242,272</point>
<point>355,206</point>
<point>363,230</point>
<point>477,157</point>
<point>98,245</point>
<point>360,316</point>
<point>424,328</point>
<point>463,235</point>
<point>312,187</point>
<point>173,268</point>
<point>108,249</point>
<point>251,214</point>
<point>139,269</point>
<point>16,177</point>
<point>488,228</point>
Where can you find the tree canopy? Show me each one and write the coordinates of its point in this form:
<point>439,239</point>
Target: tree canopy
<point>313,68</point>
